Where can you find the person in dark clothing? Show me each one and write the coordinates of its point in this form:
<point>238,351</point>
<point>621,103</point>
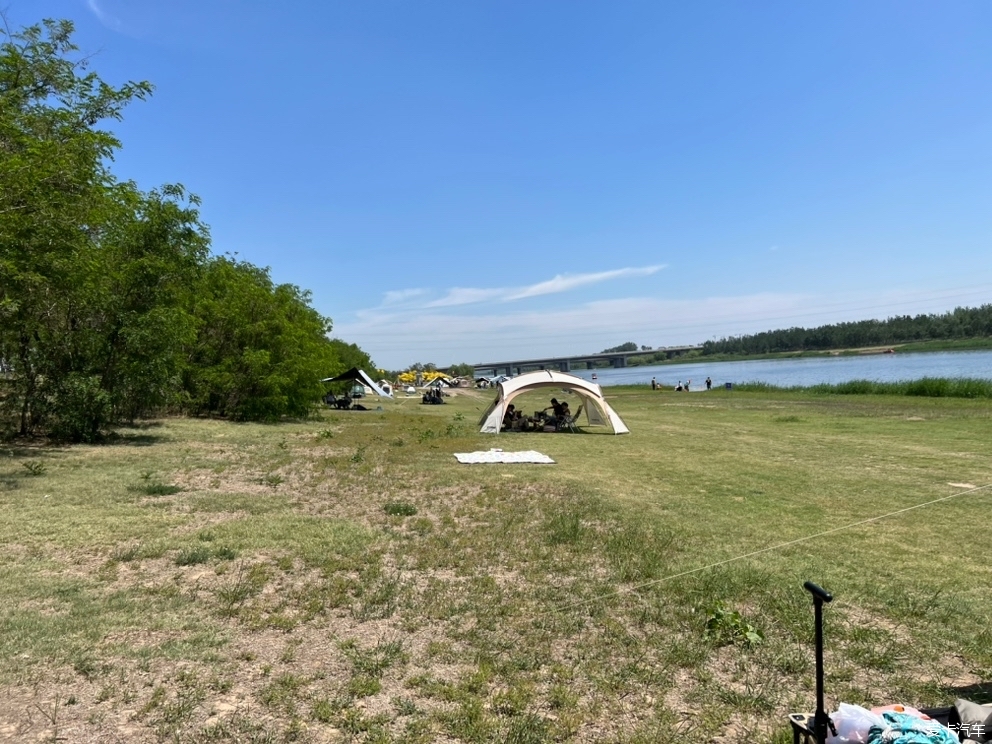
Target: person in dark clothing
<point>508,417</point>
<point>557,411</point>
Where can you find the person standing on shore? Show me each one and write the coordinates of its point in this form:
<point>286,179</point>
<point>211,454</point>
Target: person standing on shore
<point>654,384</point>
<point>709,383</point>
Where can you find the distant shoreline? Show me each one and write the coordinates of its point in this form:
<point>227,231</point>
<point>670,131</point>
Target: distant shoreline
<point>915,347</point>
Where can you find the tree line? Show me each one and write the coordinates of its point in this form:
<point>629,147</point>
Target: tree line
<point>960,323</point>
<point>111,305</point>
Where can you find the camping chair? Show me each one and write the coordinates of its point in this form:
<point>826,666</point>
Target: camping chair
<point>567,423</point>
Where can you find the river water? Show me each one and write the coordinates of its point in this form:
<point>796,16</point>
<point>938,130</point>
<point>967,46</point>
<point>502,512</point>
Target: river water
<point>805,371</point>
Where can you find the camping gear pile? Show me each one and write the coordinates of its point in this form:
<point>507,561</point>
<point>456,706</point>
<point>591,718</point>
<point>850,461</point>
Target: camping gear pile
<point>891,724</point>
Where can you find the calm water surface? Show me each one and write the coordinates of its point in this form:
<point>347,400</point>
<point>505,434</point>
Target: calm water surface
<point>806,371</point>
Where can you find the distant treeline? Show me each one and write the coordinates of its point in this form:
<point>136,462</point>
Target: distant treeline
<point>961,323</point>
<point>111,305</point>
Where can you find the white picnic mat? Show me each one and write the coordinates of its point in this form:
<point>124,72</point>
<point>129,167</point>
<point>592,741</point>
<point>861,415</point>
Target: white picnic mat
<point>498,455</point>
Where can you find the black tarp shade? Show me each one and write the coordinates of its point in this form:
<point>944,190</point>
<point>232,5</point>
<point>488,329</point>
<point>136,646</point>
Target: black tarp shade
<point>358,375</point>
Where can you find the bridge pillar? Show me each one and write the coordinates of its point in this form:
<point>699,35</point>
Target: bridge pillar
<point>509,372</point>
<point>590,365</point>
<point>619,362</point>
<point>519,370</point>
<point>564,366</point>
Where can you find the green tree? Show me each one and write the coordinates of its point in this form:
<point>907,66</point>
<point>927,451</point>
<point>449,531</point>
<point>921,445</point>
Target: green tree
<point>461,370</point>
<point>153,260</point>
<point>110,307</point>
<point>629,346</point>
<point>260,349</point>
<point>58,201</point>
<point>347,356</point>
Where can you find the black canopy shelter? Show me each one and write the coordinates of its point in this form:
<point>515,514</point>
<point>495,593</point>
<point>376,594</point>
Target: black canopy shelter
<point>357,375</point>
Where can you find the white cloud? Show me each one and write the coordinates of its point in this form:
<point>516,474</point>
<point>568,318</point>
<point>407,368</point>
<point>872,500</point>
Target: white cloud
<point>466,296</point>
<point>103,16</point>
<point>396,339</point>
<point>474,295</point>
<point>398,296</point>
<point>565,282</point>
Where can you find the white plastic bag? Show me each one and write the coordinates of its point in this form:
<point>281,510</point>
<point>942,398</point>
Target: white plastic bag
<point>852,723</point>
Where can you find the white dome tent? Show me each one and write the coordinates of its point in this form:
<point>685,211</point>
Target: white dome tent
<point>594,406</point>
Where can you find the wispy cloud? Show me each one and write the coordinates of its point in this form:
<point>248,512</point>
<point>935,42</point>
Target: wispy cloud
<point>399,296</point>
<point>474,295</point>
<point>431,334</point>
<point>467,296</point>
<point>395,339</point>
<point>104,17</point>
<point>565,282</point>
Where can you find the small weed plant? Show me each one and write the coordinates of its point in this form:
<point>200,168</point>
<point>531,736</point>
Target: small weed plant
<point>193,556</point>
<point>159,489</point>
<point>35,468</point>
<point>399,509</point>
<point>725,627</point>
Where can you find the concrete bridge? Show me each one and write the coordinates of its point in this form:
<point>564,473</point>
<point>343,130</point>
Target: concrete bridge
<point>616,359</point>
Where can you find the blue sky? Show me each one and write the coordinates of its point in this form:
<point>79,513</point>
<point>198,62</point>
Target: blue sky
<point>476,181</point>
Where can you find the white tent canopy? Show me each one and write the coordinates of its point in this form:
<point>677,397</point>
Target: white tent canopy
<point>597,411</point>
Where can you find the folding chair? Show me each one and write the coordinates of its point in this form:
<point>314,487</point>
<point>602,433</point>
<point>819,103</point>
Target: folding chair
<point>567,423</point>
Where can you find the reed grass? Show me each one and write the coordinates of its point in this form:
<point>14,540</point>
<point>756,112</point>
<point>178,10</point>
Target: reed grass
<point>927,387</point>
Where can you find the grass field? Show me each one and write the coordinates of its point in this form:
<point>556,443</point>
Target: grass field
<point>345,579</point>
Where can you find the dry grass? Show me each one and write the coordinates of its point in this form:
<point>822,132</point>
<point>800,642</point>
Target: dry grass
<point>209,581</point>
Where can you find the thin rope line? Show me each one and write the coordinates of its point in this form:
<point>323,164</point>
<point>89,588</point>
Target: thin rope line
<point>798,540</point>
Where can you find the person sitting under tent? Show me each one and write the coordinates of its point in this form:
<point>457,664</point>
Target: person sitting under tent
<point>508,417</point>
<point>557,411</point>
<point>433,396</point>
<point>595,409</point>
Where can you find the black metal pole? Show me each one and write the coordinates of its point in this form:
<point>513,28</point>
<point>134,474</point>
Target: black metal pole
<point>821,721</point>
<point>819,725</point>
